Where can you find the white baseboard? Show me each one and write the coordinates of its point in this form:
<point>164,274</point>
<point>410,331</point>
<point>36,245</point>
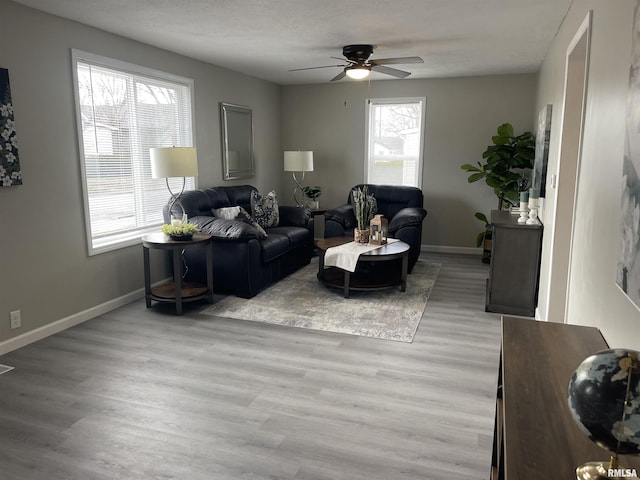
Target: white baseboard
<point>64,323</point>
<point>446,249</point>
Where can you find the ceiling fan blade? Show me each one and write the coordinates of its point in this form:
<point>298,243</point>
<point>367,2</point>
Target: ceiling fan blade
<point>345,60</point>
<point>394,72</point>
<point>398,60</point>
<point>314,68</point>
<point>340,76</point>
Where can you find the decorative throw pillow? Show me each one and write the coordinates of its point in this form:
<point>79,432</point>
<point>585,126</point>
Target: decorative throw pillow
<point>240,214</point>
<point>245,217</point>
<point>264,208</point>
<point>228,213</point>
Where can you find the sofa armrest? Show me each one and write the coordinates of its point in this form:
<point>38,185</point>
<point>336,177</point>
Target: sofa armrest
<point>407,217</point>
<point>343,215</point>
<point>294,216</point>
<point>221,229</point>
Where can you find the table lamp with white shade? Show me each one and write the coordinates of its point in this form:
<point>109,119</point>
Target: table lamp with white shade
<point>298,161</point>
<point>170,162</point>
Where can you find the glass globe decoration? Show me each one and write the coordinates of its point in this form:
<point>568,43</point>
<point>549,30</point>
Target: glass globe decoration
<point>604,400</point>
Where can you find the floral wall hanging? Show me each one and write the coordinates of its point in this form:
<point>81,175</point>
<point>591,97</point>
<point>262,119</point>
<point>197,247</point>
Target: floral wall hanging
<point>10,173</point>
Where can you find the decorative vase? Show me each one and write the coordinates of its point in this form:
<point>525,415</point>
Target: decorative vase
<point>361,236</point>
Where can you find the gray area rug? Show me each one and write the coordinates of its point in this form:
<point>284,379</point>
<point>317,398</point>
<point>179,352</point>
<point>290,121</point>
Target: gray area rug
<point>300,300</point>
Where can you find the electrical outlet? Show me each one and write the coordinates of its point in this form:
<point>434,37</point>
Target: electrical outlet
<point>16,319</point>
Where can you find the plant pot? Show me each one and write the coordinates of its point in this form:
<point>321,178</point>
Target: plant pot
<point>361,236</point>
<point>181,238</point>
<point>486,250</point>
<point>314,204</point>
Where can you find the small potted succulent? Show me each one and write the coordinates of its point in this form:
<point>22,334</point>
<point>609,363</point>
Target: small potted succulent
<point>179,230</point>
<point>312,193</point>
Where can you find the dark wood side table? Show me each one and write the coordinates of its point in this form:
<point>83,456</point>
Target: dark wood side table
<point>318,213</point>
<point>177,291</point>
<point>535,436</point>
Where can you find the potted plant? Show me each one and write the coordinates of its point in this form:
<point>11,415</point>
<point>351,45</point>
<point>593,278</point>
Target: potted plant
<point>504,171</point>
<point>485,237</point>
<point>179,231</point>
<point>362,206</point>
<point>505,161</point>
<point>312,193</point>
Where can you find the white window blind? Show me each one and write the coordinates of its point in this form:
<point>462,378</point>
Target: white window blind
<point>395,141</point>
<point>123,110</point>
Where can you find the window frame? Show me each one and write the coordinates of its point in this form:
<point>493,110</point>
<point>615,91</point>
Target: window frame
<point>121,239</point>
<point>391,101</point>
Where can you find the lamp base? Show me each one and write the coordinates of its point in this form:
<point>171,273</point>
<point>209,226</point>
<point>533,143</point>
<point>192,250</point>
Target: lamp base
<point>299,187</point>
<point>600,471</point>
<point>179,220</point>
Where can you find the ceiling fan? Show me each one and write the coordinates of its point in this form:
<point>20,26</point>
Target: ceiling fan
<point>359,66</point>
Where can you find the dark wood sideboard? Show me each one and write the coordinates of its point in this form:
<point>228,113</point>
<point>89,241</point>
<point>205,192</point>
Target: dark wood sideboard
<point>512,286</point>
<point>535,436</point>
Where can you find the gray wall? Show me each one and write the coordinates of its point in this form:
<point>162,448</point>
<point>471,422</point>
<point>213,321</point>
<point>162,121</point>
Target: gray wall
<point>461,116</point>
<point>44,266</point>
<point>594,299</point>
<point>45,269</point>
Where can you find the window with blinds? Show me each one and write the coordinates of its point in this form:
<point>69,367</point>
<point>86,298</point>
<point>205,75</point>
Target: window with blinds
<point>123,110</point>
<point>394,142</point>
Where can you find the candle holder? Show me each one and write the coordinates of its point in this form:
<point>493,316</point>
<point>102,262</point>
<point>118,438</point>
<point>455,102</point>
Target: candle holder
<point>524,212</point>
<point>533,212</point>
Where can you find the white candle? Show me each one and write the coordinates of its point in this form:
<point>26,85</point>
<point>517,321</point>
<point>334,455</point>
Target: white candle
<point>175,222</point>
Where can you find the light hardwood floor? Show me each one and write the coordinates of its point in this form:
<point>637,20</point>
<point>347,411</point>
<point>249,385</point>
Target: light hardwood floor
<point>137,394</point>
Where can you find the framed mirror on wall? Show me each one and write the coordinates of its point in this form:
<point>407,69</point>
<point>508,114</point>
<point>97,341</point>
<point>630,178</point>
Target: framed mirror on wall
<point>237,141</point>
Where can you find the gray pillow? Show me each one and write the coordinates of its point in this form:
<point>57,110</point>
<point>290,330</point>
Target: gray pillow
<point>240,214</point>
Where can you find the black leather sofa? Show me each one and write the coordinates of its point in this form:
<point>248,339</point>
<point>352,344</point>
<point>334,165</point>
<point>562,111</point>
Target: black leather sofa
<point>243,262</point>
<point>401,206</point>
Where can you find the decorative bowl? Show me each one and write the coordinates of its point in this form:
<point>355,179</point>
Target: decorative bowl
<point>181,237</point>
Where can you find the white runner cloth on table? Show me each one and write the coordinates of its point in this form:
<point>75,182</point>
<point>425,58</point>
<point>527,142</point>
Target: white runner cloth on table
<point>346,256</point>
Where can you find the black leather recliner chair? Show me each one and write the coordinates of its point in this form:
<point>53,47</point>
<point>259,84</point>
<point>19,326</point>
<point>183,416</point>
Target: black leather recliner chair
<point>401,206</point>
<point>243,262</point>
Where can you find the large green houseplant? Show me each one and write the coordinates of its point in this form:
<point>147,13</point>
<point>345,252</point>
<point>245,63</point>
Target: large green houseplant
<point>504,164</point>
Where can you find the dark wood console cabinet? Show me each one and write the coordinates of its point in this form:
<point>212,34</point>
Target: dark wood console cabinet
<point>535,436</point>
<point>512,286</point>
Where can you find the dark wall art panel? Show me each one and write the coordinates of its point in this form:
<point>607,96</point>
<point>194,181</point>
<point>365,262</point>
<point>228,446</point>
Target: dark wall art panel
<point>10,173</point>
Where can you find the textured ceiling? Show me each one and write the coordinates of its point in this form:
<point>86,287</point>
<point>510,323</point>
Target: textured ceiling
<point>266,38</point>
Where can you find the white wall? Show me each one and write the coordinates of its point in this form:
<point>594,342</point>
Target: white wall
<point>594,298</point>
<point>44,267</point>
<point>461,116</point>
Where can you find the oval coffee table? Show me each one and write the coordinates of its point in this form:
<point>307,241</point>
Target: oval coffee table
<point>384,273</point>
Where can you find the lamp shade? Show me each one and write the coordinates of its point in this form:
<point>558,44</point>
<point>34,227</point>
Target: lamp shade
<point>167,162</point>
<point>299,161</point>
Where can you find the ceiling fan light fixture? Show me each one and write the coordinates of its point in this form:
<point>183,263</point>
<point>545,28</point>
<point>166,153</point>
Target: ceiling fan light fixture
<point>358,72</point>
